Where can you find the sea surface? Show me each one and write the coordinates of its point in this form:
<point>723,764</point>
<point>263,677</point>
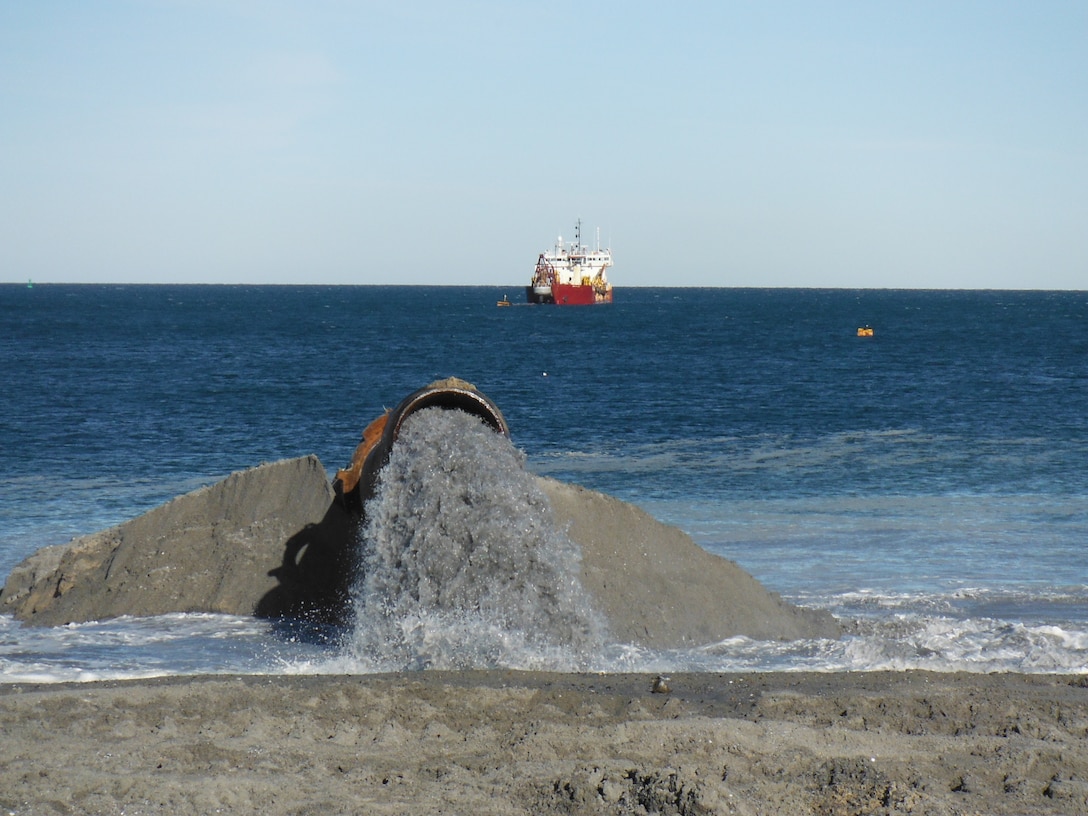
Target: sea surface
<point>928,484</point>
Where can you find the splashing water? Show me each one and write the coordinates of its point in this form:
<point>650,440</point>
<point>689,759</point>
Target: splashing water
<point>461,565</point>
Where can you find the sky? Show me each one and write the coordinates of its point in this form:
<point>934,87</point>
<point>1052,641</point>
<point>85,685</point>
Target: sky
<point>877,144</point>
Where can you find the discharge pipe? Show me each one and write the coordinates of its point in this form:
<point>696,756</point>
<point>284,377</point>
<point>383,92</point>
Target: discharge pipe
<point>355,483</point>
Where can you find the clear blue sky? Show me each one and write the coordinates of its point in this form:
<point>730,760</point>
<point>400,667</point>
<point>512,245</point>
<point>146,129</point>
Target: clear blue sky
<point>769,143</point>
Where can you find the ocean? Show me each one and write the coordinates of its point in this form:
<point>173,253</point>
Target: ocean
<point>928,485</point>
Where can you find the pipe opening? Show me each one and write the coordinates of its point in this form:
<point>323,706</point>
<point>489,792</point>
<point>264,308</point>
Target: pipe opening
<point>355,484</point>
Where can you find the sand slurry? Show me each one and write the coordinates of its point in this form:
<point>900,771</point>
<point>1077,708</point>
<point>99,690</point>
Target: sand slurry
<point>539,743</point>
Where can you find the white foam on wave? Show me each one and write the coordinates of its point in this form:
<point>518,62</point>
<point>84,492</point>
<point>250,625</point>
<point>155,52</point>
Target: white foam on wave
<point>176,645</point>
<point>135,648</point>
<point>907,642</point>
<point>981,645</point>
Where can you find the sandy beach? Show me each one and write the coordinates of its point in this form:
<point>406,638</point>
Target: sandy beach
<point>532,743</point>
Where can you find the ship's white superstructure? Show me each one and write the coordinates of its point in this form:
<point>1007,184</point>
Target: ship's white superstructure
<point>572,273</point>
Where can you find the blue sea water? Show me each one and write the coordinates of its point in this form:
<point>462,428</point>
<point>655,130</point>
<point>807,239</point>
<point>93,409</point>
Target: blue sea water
<point>929,484</point>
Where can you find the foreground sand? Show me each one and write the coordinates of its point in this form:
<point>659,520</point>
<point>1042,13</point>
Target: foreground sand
<point>535,743</point>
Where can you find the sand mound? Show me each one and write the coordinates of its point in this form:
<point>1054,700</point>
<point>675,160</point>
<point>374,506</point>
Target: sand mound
<point>264,541</point>
<point>658,588</point>
<point>272,541</point>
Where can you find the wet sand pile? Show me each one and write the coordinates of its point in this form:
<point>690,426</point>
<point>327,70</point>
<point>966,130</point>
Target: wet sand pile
<point>272,541</point>
<point>538,743</point>
<point>267,541</point>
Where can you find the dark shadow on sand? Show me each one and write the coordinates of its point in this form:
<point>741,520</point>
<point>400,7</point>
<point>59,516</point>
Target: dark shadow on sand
<point>316,573</point>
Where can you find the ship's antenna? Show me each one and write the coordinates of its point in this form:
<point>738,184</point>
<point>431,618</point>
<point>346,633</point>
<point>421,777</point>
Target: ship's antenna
<point>578,233</point>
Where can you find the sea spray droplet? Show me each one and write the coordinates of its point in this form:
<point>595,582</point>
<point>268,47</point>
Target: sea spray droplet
<point>461,565</point>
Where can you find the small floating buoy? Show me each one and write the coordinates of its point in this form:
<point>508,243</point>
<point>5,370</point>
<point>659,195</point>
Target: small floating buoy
<point>865,331</point>
<point>543,373</point>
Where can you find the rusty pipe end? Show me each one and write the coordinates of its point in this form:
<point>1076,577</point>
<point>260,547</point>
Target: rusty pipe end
<point>357,482</point>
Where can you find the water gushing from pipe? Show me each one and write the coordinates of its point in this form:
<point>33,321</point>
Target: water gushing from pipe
<point>460,562</point>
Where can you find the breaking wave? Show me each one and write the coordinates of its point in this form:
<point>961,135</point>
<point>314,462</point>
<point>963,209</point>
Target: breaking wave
<point>219,644</point>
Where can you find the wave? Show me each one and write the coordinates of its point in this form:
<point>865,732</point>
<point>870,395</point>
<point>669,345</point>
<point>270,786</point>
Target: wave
<point>887,461</point>
<point>180,645</point>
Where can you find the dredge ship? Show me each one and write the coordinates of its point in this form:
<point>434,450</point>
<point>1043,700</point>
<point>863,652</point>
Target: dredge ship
<point>572,274</point>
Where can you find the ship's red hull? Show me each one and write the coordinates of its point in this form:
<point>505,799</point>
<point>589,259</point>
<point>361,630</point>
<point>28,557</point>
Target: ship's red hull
<point>565,294</point>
